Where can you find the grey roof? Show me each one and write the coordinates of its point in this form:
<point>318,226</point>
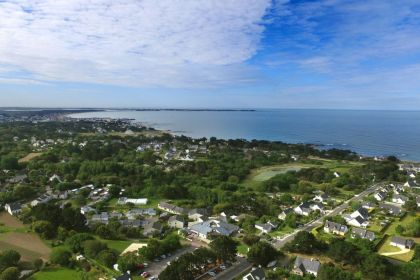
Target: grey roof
<point>402,241</point>
<point>177,218</point>
<point>363,233</point>
<point>399,196</point>
<point>15,206</point>
<point>173,208</point>
<point>215,226</point>
<point>306,265</point>
<point>360,219</point>
<point>257,274</point>
<point>336,227</point>
<point>393,209</point>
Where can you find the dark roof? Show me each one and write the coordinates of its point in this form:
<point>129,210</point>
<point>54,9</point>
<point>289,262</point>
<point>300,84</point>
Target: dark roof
<point>124,277</point>
<point>258,273</point>
<point>307,264</point>
<point>15,206</point>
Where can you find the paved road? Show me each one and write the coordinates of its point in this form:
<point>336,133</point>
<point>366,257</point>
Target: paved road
<point>155,268</point>
<point>309,226</point>
<point>236,269</point>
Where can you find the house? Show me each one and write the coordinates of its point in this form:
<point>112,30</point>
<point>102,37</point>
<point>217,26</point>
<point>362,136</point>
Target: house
<point>198,214</point>
<point>55,177</point>
<point>410,183</point>
<point>255,274</point>
<point>398,189</point>
<point>335,228</point>
<point>336,174</point>
<point>399,198</point>
<point>17,179</point>
<point>207,229</point>
<point>136,212</point>
<point>167,207</point>
<point>359,221</point>
<point>87,209</point>
<point>402,243</point>
<point>304,266</point>
<point>368,205</point>
<point>317,207</point>
<point>323,198</point>
<point>304,209</point>
<point>13,208</point>
<point>102,218</point>
<point>152,226</point>
<point>136,201</point>
<point>380,196</point>
<point>362,233</point>
<point>285,212</point>
<point>362,212</point>
<point>177,221</point>
<point>267,227</point>
<point>41,200</point>
<point>391,209</point>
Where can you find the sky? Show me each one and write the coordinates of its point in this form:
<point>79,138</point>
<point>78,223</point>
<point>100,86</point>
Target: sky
<point>336,54</point>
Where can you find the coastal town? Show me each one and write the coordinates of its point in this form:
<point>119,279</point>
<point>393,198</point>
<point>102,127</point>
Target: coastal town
<point>114,199</point>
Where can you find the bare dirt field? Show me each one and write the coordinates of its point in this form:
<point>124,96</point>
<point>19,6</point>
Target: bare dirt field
<point>28,157</point>
<point>29,245</point>
<point>9,221</point>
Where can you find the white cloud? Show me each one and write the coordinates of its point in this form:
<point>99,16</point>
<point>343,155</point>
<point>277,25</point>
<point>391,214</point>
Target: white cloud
<point>173,43</point>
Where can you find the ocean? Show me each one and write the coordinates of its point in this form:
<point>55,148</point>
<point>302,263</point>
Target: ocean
<point>371,133</point>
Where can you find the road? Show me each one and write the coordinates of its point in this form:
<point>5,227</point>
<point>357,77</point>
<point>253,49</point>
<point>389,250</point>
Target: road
<point>155,268</point>
<point>309,226</point>
<point>236,269</point>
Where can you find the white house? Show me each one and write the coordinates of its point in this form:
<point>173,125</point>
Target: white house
<point>399,198</point>
<point>379,196</point>
<point>402,243</point>
<point>136,201</point>
<point>267,227</point>
<point>323,198</point>
<point>13,208</point>
<point>304,209</point>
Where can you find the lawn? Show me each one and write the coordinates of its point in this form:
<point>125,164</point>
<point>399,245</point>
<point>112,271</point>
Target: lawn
<point>280,232</point>
<point>387,248</point>
<point>57,273</point>
<point>242,249</point>
<point>118,245</point>
<point>405,221</point>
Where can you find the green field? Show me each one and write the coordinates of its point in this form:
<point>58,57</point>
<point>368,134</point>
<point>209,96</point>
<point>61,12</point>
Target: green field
<point>57,273</point>
<point>405,221</point>
<point>118,245</point>
<point>264,173</point>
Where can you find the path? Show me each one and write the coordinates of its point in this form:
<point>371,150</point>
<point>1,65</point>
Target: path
<point>403,251</point>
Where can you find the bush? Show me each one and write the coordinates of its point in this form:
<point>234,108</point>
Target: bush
<point>61,256</point>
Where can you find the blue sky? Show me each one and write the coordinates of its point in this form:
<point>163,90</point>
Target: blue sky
<point>210,53</point>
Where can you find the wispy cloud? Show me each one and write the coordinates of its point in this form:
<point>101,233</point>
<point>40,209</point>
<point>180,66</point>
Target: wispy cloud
<point>171,43</point>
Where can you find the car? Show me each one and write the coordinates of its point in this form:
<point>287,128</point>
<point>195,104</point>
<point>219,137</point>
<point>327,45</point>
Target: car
<point>168,254</point>
<point>163,257</point>
<point>168,263</point>
<point>156,260</point>
<point>222,267</point>
<point>145,264</point>
<point>145,274</point>
<point>211,273</point>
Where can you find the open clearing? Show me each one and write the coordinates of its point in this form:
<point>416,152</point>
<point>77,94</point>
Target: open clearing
<point>265,173</point>
<point>29,157</point>
<point>15,237</point>
<point>57,273</point>
<point>9,221</point>
<point>29,245</point>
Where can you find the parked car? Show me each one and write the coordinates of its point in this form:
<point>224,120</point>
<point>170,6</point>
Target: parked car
<point>145,274</point>
<point>211,273</point>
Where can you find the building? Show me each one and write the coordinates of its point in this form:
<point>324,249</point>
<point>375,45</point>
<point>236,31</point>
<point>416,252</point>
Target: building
<point>41,200</point>
<point>255,274</point>
<point>304,266</point>
<point>323,198</point>
<point>136,201</point>
<point>208,229</point>
<point>410,183</point>
<point>304,209</point>
<point>167,207</point>
<point>13,208</point>
<point>177,221</point>
<point>267,227</point>
<point>380,196</point>
<point>152,227</point>
<point>362,233</point>
<point>391,209</point>
<point>399,198</point>
<point>285,212</point>
<point>335,228</point>
<point>359,218</point>
<point>87,209</point>
<point>402,243</point>
<point>358,222</point>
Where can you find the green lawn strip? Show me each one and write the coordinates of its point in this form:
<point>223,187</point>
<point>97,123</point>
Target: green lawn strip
<point>242,249</point>
<point>280,232</point>
<point>408,219</point>
<point>57,273</point>
<point>118,245</point>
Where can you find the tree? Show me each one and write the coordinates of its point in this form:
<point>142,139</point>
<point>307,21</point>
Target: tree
<point>9,258</point>
<point>225,248</point>
<point>250,239</point>
<point>45,229</point>
<point>38,264</point>
<point>60,256</point>
<point>75,242</point>
<point>376,267</point>
<point>114,191</point>
<point>92,247</point>
<point>107,257</point>
<point>304,242</point>
<point>329,272</point>
<point>262,253</point>
<point>340,250</point>
<point>11,273</point>
<point>290,220</point>
<point>9,162</point>
<point>129,261</point>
